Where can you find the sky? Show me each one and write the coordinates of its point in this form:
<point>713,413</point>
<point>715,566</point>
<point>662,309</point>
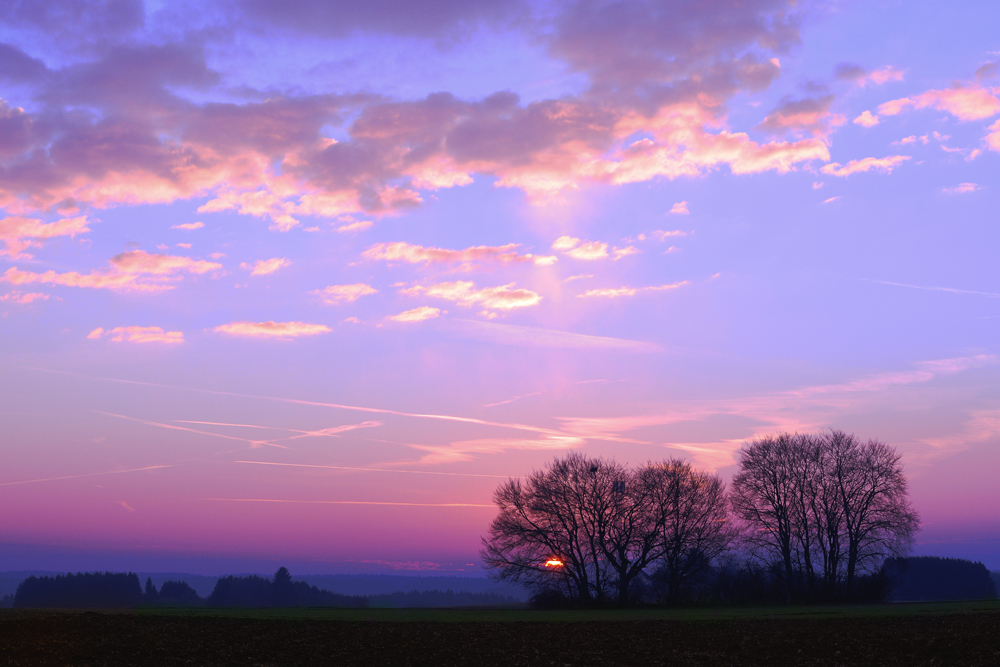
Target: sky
<point>302,282</point>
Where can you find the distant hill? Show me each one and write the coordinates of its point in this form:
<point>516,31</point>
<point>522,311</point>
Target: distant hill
<point>931,578</point>
<point>388,584</point>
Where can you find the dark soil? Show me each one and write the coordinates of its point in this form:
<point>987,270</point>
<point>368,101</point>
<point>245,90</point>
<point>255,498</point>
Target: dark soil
<point>87,638</point>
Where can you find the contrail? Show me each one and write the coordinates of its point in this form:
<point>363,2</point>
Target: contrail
<point>343,502</point>
<point>253,443</point>
<point>89,474</point>
<point>992,295</point>
<point>412,472</point>
<point>339,406</point>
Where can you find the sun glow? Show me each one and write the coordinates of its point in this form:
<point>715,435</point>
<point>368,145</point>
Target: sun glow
<point>553,562</point>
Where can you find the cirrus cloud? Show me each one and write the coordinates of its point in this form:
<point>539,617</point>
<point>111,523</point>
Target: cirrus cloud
<point>19,234</point>
<point>133,270</point>
<point>402,251</point>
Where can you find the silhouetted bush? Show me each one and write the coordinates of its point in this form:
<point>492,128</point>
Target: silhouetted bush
<point>932,578</point>
<point>550,599</point>
<point>82,590</point>
<point>7,601</point>
<point>256,591</point>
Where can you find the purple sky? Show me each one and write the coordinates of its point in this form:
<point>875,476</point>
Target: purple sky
<point>302,281</point>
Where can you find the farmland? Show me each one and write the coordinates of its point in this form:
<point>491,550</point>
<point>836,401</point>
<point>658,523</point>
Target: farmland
<point>966,633</point>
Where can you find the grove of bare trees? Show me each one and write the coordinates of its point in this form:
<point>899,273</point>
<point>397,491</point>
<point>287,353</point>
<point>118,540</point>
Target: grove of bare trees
<point>807,516</point>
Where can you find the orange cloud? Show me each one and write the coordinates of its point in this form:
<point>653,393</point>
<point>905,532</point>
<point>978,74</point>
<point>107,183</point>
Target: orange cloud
<point>993,138</point>
<point>264,267</point>
<point>189,226</point>
<point>358,226</point>
<point>337,294</point>
<point>138,335</point>
<point>680,208</point>
<point>962,188</point>
<point>885,164</point>
<point>272,329</point>
<point>417,314</point>
<point>19,234</point>
<point>415,254</point>
<point>464,293</point>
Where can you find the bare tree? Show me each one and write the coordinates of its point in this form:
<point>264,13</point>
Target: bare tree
<point>547,535</point>
<point>688,516</point>
<point>763,497</point>
<point>823,508</point>
<point>878,519</point>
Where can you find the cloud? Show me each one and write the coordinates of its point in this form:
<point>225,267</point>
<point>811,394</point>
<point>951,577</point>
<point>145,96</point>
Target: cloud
<point>866,119</point>
<point>133,270</point>
<point>993,138</point>
<point>415,254</point>
<point>631,291</point>
<point>581,276</point>
<point>336,294</point>
<point>964,102</point>
<point>662,235</point>
<point>962,188</point>
<point>417,314</point>
<point>545,260</point>
<point>809,116</point>
<point>23,297</point>
<point>832,199</point>
<point>858,74</point>
<point>271,329</point>
<point>464,293</point>
<point>358,226</point>
<point>987,71</point>
<point>510,334</point>
<point>589,251</point>
<point>680,208</point>
<point>265,267</point>
<point>137,335</point>
<point>885,164</point>
<point>625,252</point>
<point>189,226</point>
<point>19,234</point>
<point>564,243</point>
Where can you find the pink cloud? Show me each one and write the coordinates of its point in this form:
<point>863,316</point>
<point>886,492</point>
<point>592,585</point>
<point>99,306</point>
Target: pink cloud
<point>138,335</point>
<point>337,294</point>
<point>417,314</point>
<point>625,252</point>
<point>857,74</point>
<point>565,243</point>
<point>885,75</point>
<point>19,234</point>
<point>964,102</point>
<point>23,297</point>
<point>588,251</point>
<point>265,267</point>
<point>810,116</point>
<point>415,254</point>
<point>132,270</point>
<point>189,226</point>
<point>962,188</point>
<point>358,226</point>
<point>680,208</point>
<point>866,119</point>
<point>885,164</point>
<point>464,293</point>
<point>993,138</point>
<point>631,291</point>
<point>661,235</point>
<point>272,329</point>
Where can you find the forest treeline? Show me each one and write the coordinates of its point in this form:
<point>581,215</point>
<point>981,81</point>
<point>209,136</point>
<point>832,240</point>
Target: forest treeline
<point>807,518</point>
<point>122,590</point>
